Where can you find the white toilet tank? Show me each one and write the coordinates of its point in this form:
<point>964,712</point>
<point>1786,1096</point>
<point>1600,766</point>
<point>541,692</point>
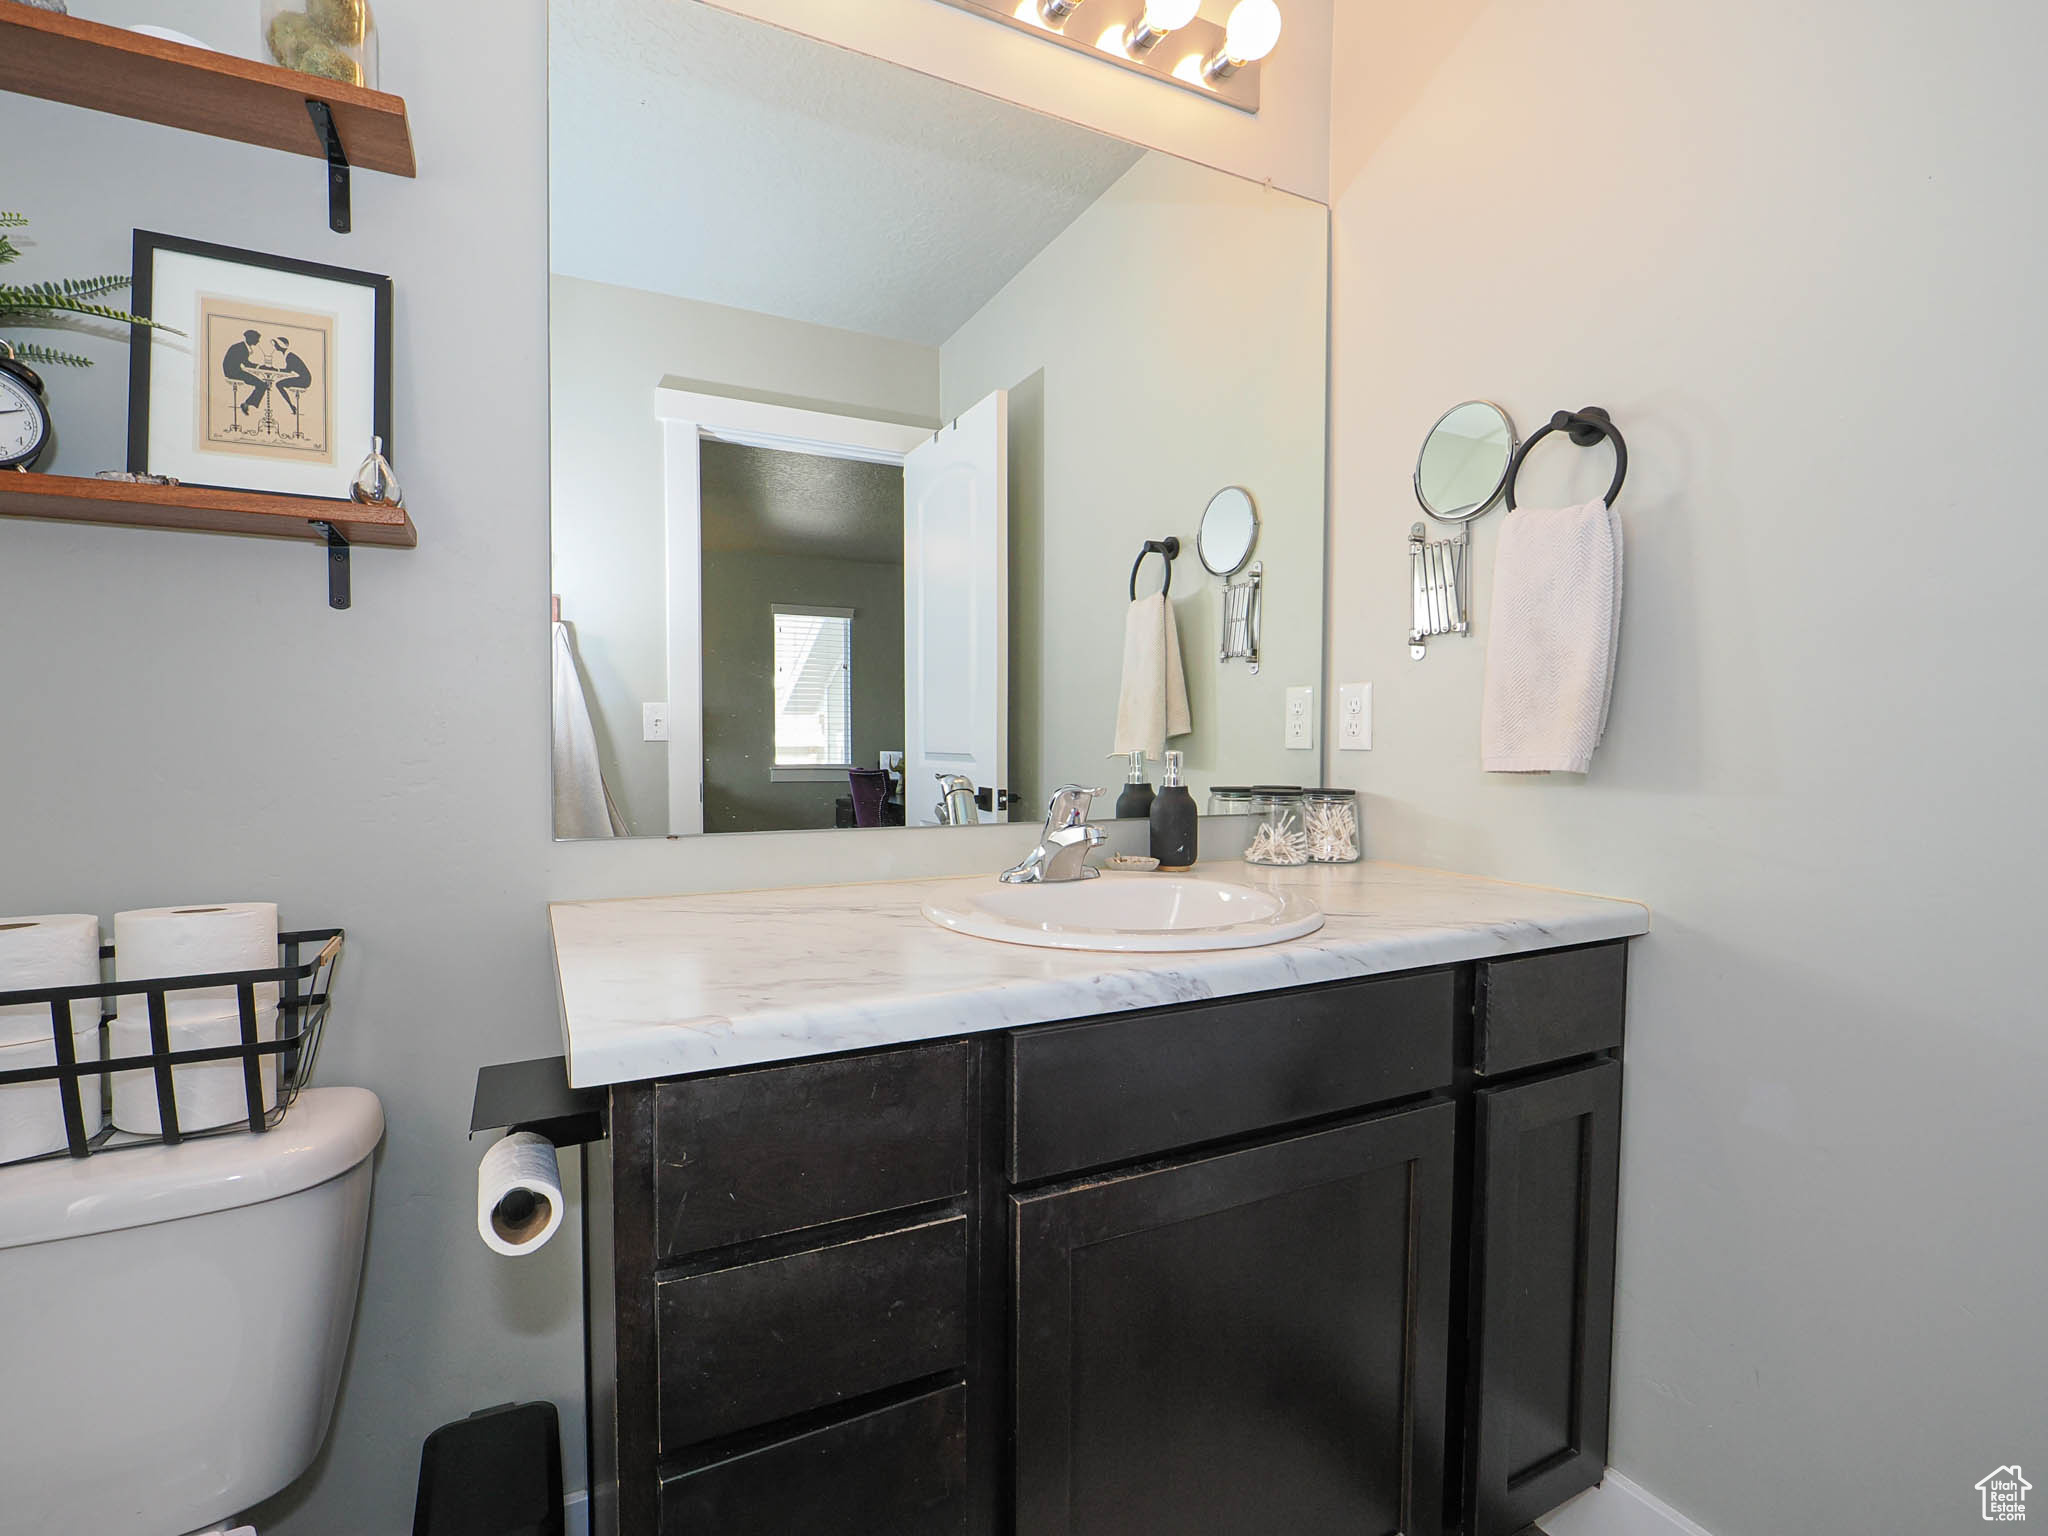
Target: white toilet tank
<point>173,1321</point>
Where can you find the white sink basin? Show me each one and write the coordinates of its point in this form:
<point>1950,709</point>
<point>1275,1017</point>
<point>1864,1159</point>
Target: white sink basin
<point>1132,913</point>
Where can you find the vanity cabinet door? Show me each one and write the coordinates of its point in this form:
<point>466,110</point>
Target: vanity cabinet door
<point>1541,1344</point>
<point>1249,1342</point>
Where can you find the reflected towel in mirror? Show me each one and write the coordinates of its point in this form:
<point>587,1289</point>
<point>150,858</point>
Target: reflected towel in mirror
<point>583,802</point>
<point>1153,705</point>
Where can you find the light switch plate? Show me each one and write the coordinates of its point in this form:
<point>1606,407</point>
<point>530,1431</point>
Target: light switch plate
<point>654,722</point>
<point>1301,719</point>
<point>1354,717</point>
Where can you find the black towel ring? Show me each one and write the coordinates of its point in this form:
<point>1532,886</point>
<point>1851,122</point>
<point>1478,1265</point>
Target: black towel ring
<point>1586,428</point>
<point>1170,548</point>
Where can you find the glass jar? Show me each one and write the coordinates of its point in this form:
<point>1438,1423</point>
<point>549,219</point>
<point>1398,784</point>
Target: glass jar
<point>1330,821</point>
<point>334,39</point>
<point>1278,836</point>
<point>1230,800</point>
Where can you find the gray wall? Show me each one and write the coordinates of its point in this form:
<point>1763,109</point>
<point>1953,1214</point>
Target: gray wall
<point>740,589</point>
<point>611,347</point>
<point>1795,260</point>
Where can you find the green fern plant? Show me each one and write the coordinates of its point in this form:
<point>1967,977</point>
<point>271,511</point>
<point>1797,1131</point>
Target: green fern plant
<point>40,302</point>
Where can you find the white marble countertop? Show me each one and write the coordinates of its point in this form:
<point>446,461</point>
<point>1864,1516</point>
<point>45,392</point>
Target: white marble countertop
<point>661,986</point>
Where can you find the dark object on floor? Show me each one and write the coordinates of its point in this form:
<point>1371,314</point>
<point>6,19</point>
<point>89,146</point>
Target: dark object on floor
<point>496,1473</point>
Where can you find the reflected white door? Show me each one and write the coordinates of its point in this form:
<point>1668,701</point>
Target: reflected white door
<point>956,615</point>
<point>683,483</point>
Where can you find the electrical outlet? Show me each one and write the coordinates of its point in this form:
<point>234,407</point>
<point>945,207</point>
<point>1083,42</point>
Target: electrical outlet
<point>1301,719</point>
<point>1354,717</point>
<point>654,722</point>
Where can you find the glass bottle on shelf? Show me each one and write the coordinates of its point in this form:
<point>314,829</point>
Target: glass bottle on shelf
<point>334,39</point>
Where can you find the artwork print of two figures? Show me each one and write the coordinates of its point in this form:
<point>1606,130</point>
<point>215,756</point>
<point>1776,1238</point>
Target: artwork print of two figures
<point>266,374</point>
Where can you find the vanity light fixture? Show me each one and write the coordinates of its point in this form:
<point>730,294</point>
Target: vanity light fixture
<point>1160,18</point>
<point>1169,41</point>
<point>1250,35</point>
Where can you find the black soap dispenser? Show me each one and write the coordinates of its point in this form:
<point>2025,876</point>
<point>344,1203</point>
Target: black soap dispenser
<point>1135,803</point>
<point>1173,819</point>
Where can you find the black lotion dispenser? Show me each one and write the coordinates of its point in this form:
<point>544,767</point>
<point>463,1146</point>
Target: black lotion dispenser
<point>1135,803</point>
<point>1173,819</point>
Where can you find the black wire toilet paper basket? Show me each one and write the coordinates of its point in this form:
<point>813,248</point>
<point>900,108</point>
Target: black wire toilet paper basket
<point>305,993</point>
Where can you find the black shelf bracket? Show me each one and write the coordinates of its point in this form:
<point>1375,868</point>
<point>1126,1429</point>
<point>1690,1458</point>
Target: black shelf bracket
<point>337,174</point>
<point>337,566</point>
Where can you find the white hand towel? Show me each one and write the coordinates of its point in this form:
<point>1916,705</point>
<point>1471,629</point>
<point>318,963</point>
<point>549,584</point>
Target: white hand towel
<point>583,801</point>
<point>1551,644</point>
<point>1154,702</point>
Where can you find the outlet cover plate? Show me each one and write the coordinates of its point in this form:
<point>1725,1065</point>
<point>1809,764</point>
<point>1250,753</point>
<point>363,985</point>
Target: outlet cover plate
<point>1354,717</point>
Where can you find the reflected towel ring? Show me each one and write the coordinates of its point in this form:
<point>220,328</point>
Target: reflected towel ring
<point>1170,548</point>
<point>1586,428</point>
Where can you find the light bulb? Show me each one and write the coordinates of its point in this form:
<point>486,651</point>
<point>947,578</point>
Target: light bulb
<point>1160,18</point>
<point>1169,15</point>
<point>1253,29</point>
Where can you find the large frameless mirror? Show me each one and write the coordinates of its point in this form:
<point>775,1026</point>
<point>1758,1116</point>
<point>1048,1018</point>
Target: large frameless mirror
<point>866,391</point>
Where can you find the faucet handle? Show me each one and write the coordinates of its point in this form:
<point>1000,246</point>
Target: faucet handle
<point>1069,805</point>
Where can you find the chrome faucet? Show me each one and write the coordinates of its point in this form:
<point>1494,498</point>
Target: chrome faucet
<point>957,807</point>
<point>1063,848</point>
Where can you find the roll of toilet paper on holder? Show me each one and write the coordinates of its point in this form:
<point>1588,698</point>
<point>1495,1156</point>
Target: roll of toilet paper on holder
<point>519,1194</point>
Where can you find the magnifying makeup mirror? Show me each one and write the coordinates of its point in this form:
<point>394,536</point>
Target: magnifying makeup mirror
<point>1461,472</point>
<point>1230,527</point>
<point>1464,463</point>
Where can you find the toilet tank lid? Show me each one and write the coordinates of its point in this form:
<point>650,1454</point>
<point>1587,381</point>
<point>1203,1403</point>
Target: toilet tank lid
<point>325,1133</point>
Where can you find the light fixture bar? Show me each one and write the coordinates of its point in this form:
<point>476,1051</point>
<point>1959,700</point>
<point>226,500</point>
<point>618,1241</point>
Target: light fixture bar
<point>1105,29</point>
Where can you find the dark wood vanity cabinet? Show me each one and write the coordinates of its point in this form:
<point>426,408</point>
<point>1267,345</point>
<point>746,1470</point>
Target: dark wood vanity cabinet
<point>1337,1259</point>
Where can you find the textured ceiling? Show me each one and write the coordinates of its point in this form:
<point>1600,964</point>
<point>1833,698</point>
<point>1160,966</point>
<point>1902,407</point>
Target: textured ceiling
<point>766,500</point>
<point>705,155</point>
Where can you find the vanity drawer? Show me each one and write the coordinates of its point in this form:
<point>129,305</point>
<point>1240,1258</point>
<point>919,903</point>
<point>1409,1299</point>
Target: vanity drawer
<point>895,1471</point>
<point>1090,1095</point>
<point>1544,1008</point>
<point>750,1154</point>
<point>745,1346</point>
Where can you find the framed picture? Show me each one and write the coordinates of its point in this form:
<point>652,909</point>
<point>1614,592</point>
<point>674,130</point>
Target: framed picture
<point>281,376</point>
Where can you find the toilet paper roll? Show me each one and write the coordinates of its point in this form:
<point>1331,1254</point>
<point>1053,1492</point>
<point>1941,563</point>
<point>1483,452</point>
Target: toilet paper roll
<point>195,940</point>
<point>59,951</point>
<point>32,1114</point>
<point>210,1093</point>
<point>518,1194</point>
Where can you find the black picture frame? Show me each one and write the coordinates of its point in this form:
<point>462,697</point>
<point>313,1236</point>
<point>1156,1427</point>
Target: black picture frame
<point>149,243</point>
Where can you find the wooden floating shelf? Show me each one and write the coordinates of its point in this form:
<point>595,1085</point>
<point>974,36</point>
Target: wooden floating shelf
<point>196,509</point>
<point>110,69</point>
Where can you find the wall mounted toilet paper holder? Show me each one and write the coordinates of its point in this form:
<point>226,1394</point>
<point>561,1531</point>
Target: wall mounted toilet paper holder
<point>536,1096</point>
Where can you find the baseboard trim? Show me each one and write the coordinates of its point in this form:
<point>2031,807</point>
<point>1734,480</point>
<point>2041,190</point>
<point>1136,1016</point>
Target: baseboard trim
<point>1615,1507</point>
<point>1618,1507</point>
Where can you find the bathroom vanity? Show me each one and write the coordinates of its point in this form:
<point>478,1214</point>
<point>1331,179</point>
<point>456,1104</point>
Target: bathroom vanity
<point>947,1236</point>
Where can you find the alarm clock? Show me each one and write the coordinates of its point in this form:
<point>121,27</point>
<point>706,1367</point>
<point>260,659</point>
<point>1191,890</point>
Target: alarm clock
<point>24,417</point>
